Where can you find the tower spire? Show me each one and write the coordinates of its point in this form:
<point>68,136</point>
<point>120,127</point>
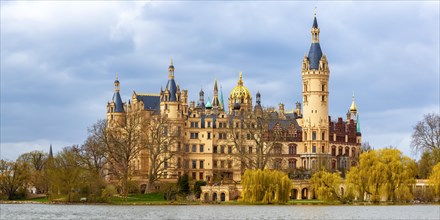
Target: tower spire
<point>240,80</point>
<point>116,83</point>
<point>171,70</point>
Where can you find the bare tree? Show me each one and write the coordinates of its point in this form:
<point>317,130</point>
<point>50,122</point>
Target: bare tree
<point>426,136</point>
<point>161,138</point>
<point>125,141</point>
<point>366,147</point>
<point>254,143</point>
<point>94,148</point>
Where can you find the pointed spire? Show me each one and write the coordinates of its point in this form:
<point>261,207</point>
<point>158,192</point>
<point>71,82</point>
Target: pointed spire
<point>208,104</point>
<point>240,80</point>
<point>222,103</point>
<point>171,70</point>
<point>116,83</point>
<point>353,107</point>
<point>50,151</point>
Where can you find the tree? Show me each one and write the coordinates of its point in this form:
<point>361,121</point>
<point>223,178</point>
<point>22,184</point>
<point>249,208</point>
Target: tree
<point>14,178</point>
<point>37,164</point>
<point>327,185</point>
<point>426,136</point>
<point>366,147</point>
<point>160,139</point>
<point>426,162</point>
<point>198,188</point>
<point>92,159</point>
<point>434,179</point>
<point>124,142</point>
<point>183,184</point>
<point>267,186</point>
<point>250,130</point>
<point>67,176</point>
<point>383,173</point>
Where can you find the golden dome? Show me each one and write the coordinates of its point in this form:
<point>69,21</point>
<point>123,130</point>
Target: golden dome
<point>240,91</point>
<point>353,107</point>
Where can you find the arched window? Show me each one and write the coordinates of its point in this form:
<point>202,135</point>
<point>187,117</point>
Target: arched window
<point>322,149</point>
<point>333,151</point>
<point>353,152</point>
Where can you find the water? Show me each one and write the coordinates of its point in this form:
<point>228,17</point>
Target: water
<point>45,211</point>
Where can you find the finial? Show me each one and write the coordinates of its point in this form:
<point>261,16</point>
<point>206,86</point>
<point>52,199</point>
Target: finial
<point>171,63</point>
<point>116,75</point>
<point>315,12</point>
<point>352,97</point>
<point>240,80</point>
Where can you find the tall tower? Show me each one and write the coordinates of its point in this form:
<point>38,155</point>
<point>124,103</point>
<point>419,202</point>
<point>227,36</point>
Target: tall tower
<point>172,99</point>
<point>315,76</point>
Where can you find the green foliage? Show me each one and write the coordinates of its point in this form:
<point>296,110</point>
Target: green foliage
<point>265,186</point>
<point>183,184</point>
<point>428,159</point>
<point>383,174</point>
<point>326,186</point>
<point>434,179</point>
<point>198,188</point>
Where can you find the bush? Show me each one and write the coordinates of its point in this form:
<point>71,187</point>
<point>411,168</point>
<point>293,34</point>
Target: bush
<point>198,188</point>
<point>183,184</point>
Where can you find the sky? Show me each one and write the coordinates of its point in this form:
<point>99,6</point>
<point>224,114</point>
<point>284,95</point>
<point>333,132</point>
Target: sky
<point>59,60</point>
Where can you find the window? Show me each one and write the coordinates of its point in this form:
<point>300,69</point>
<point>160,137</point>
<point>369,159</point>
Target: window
<point>194,164</point>
<point>353,152</point>
<point>292,164</point>
<point>222,164</point>
<point>201,148</point>
<point>333,151</point>
<point>250,149</point>
<point>165,164</point>
<point>323,88</point>
<point>179,148</point>
<point>201,163</point>
<point>186,163</point>
<point>194,175</point>
<point>277,149</point>
<point>229,149</point>
<point>248,136</point>
<point>229,164</point>
<point>347,151</point>
<point>292,149</point>
<point>194,135</point>
<point>209,124</point>
<point>314,135</point>
<point>221,135</point>
<point>313,149</point>
<point>187,148</point>
<point>194,148</point>
<point>215,149</point>
<point>277,164</point>
<point>322,149</point>
<point>323,98</point>
<point>214,163</point>
<point>222,149</point>
<point>194,124</point>
<point>209,135</point>
<point>179,163</point>
<point>165,148</point>
<point>340,151</point>
<point>201,176</point>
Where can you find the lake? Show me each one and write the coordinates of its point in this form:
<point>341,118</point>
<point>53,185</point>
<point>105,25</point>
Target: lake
<point>46,211</point>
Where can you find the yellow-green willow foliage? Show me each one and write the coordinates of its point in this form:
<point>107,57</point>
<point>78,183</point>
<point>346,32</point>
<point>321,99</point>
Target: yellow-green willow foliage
<point>265,186</point>
<point>383,174</point>
<point>434,179</point>
<point>326,186</point>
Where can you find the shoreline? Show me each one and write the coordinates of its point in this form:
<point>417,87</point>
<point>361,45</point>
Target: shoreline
<point>219,204</point>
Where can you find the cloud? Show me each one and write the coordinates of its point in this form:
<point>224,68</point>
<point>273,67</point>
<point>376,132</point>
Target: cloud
<point>59,59</point>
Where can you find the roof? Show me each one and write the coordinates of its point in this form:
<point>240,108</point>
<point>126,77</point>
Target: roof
<point>315,55</point>
<point>151,101</point>
<point>171,86</point>
<point>284,123</point>
<point>315,23</point>
<point>119,106</point>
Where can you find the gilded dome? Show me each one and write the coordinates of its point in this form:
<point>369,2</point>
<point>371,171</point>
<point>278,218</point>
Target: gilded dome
<point>240,91</point>
<point>353,107</point>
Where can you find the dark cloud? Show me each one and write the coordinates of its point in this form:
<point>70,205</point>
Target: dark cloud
<point>59,60</point>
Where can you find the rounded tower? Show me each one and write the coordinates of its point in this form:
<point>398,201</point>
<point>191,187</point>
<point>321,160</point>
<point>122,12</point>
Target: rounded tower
<point>315,77</point>
<point>241,95</point>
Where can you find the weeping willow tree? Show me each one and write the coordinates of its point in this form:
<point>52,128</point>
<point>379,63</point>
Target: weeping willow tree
<point>326,185</point>
<point>266,186</point>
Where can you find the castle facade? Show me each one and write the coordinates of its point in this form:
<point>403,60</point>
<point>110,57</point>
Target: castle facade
<point>217,140</point>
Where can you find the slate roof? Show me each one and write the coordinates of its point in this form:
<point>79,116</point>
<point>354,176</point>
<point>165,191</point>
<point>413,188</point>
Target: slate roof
<point>151,102</point>
<point>315,23</point>
<point>171,86</point>
<point>315,55</point>
<point>119,106</point>
<point>284,123</point>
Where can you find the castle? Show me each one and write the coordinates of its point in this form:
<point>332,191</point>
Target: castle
<point>215,143</point>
